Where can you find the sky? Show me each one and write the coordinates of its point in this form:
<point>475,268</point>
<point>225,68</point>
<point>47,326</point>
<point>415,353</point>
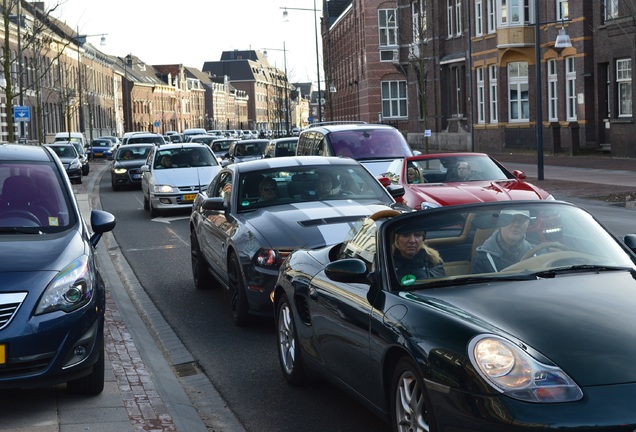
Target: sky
<point>191,32</point>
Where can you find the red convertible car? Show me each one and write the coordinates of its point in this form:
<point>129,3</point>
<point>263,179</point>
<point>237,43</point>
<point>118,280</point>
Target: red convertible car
<point>442,179</point>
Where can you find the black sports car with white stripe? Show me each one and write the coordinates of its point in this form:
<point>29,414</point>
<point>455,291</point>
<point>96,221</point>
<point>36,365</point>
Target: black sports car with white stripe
<point>255,213</point>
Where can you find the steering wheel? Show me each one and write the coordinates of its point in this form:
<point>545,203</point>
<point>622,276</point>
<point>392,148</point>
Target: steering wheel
<point>22,214</point>
<point>544,246</point>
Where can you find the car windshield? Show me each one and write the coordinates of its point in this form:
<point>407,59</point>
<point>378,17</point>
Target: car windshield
<point>133,153</point>
<point>64,151</point>
<point>184,157</point>
<point>221,145</point>
<point>107,144</point>
<point>157,140</point>
<point>33,196</point>
<point>308,184</point>
<point>477,243</point>
<point>361,144</point>
<point>447,169</point>
<point>249,149</point>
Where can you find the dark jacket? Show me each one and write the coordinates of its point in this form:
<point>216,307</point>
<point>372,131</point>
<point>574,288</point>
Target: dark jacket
<point>418,267</point>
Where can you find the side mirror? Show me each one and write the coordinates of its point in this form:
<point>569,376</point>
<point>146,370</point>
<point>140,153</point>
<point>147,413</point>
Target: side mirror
<point>630,241</point>
<point>519,174</point>
<point>351,270</point>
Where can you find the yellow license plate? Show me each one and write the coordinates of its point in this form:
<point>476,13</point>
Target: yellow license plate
<point>3,354</point>
<point>189,197</point>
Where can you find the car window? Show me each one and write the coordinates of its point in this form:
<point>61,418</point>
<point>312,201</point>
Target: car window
<point>184,157</point>
<point>361,242</point>
<point>132,153</point>
<point>65,151</point>
<point>370,143</point>
<point>308,184</point>
<point>32,195</point>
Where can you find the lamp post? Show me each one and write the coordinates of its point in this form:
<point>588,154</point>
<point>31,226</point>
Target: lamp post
<point>562,41</point>
<point>284,50</point>
<point>285,17</point>
<point>81,40</point>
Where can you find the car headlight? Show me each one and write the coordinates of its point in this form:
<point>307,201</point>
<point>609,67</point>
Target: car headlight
<point>163,189</point>
<point>517,374</point>
<point>428,205</point>
<point>120,171</point>
<point>75,164</point>
<point>70,289</point>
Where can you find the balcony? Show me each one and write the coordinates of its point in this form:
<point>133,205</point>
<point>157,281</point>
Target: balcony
<point>517,36</point>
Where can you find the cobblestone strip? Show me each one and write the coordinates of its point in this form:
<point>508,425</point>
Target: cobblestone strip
<point>146,409</point>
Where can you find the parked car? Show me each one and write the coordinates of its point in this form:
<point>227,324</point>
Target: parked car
<point>67,153</point>
<point>125,168</point>
<point>239,238</point>
<point>52,297</point>
<point>374,145</point>
<point>81,153</point>
<point>246,150</point>
<point>101,148</point>
<point>281,147</point>
<point>439,179</point>
<point>524,348</point>
<point>141,138</point>
<point>171,177</point>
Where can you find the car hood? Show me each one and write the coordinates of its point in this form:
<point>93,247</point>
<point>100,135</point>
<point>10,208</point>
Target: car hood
<point>129,163</point>
<point>476,191</point>
<point>584,323</point>
<point>186,176</point>
<point>308,225</point>
<point>34,253</point>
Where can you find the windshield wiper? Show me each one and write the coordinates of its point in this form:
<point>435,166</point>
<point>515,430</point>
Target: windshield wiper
<point>20,230</point>
<point>461,280</point>
<point>553,272</point>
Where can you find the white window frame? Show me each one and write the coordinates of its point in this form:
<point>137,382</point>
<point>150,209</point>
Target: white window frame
<point>518,93</point>
<point>493,94</point>
<point>491,16</point>
<point>553,98</point>
<point>449,18</point>
<point>624,87</point>
<point>394,99</point>
<point>515,12</point>
<point>479,18</point>
<point>418,13</point>
<point>562,10</point>
<point>481,97</point>
<point>458,18</point>
<point>387,33</point>
<point>611,9</point>
<point>570,89</point>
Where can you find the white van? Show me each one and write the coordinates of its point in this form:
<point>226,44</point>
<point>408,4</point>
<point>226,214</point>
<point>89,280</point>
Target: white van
<point>71,136</point>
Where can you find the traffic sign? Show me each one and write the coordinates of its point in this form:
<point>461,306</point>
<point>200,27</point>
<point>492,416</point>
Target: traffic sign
<point>21,113</point>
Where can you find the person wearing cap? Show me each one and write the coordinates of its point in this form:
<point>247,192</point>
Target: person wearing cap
<point>506,246</point>
<point>413,259</point>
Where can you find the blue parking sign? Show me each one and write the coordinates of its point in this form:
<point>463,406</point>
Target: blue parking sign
<point>21,113</point>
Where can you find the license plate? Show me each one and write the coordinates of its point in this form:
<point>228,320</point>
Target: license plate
<point>136,176</point>
<point>189,197</point>
<point>3,354</point>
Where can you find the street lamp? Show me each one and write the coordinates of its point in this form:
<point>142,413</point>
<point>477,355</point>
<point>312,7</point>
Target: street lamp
<point>284,50</point>
<point>314,10</point>
<point>81,40</point>
<point>562,41</point>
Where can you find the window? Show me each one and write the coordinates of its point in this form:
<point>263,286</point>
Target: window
<point>611,9</point>
<point>491,16</point>
<point>479,19</point>
<point>454,17</point>
<point>394,99</point>
<point>481,103</point>
<point>570,89</point>
<point>418,12</point>
<point>562,11</point>
<point>624,83</point>
<point>518,109</point>
<point>514,12</point>
<point>494,96</point>
<point>387,24</point>
<point>552,91</point>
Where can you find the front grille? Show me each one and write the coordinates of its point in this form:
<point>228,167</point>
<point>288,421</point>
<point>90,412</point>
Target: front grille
<point>20,367</point>
<point>9,305</point>
<point>190,189</point>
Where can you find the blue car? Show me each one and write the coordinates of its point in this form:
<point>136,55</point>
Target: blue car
<point>102,148</point>
<point>52,297</point>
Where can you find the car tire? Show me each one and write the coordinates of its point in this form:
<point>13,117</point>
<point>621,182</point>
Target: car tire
<point>114,186</point>
<point>93,383</point>
<point>79,180</point>
<point>146,203</point>
<point>200,273</point>
<point>238,296</point>
<point>289,356</point>
<point>153,211</point>
<point>411,408</point>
